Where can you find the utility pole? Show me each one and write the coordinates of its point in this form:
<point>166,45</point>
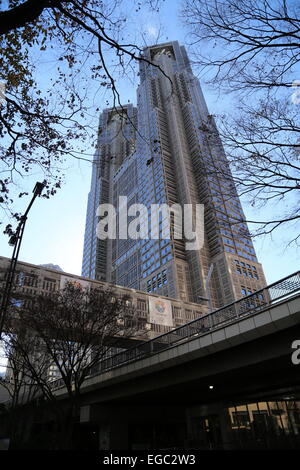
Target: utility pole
<point>15,241</point>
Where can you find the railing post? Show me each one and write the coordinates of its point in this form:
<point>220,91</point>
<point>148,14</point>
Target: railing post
<point>188,331</point>
<point>236,309</point>
<point>211,321</point>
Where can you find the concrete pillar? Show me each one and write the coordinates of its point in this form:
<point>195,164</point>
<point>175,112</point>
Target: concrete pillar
<point>104,437</point>
<point>119,435</point>
<point>114,436</point>
<point>225,427</point>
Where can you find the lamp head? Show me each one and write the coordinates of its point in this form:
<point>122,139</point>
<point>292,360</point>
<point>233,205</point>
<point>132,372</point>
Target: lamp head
<point>12,240</point>
<point>37,190</point>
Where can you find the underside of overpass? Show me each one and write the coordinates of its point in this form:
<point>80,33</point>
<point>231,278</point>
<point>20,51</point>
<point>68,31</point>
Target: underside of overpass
<point>198,404</point>
<point>253,367</point>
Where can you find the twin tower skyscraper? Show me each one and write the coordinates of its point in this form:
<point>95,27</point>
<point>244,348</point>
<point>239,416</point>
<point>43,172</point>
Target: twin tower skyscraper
<point>167,150</point>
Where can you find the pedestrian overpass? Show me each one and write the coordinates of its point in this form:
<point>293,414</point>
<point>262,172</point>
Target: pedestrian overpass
<point>264,312</point>
<point>225,380</point>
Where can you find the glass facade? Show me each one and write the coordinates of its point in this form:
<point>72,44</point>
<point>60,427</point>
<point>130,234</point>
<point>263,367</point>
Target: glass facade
<point>270,424</point>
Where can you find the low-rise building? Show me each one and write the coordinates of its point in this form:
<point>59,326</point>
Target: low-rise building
<point>157,314</point>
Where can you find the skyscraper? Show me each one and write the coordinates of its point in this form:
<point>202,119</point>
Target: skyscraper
<point>116,142</point>
<point>168,151</point>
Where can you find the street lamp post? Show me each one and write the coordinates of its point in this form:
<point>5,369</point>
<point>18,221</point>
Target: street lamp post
<point>15,241</point>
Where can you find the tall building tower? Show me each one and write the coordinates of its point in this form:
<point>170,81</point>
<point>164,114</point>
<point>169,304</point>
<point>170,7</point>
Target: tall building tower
<point>178,159</point>
<point>116,142</point>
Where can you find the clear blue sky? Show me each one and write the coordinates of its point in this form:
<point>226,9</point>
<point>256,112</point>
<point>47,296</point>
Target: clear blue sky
<point>55,228</point>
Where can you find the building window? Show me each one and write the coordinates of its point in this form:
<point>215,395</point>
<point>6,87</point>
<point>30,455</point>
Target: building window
<point>142,305</point>
<point>240,418</point>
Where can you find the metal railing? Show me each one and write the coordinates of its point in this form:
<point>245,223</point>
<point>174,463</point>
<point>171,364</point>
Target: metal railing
<point>253,303</point>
